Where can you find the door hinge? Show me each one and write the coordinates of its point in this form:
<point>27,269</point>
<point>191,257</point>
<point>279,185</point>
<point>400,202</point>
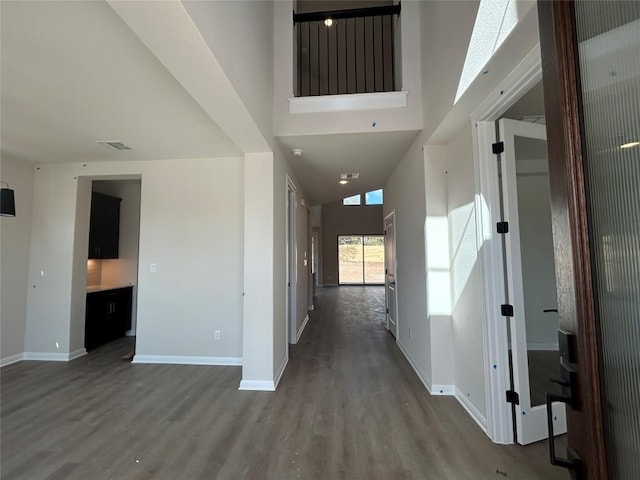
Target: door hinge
<point>502,227</point>
<point>497,147</point>
<point>506,310</point>
<point>513,397</point>
<point>387,310</point>
<point>385,232</point>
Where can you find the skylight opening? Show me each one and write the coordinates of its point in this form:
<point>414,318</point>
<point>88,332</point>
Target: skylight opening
<point>494,22</point>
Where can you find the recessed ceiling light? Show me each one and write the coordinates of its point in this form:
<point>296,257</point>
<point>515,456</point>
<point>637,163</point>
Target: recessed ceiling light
<point>114,145</point>
<point>328,22</point>
<point>629,144</point>
<point>343,182</point>
<point>297,152</point>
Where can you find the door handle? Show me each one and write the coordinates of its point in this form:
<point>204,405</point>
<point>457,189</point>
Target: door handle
<point>549,310</point>
<point>572,462</point>
<point>569,384</point>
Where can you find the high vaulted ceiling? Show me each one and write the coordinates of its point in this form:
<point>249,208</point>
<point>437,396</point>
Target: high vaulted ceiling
<point>73,73</point>
<point>372,155</point>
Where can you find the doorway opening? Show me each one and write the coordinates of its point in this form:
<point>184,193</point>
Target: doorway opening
<point>361,259</point>
<point>112,265</point>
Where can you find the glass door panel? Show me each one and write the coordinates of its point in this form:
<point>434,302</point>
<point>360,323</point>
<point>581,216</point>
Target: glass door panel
<point>374,259</point>
<point>350,260</point>
<point>609,46</point>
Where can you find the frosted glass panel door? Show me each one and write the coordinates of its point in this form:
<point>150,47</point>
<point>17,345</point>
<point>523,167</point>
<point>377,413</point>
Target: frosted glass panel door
<point>609,56</point>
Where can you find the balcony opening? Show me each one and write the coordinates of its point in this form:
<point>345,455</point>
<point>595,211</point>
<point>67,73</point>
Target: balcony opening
<point>347,51</point>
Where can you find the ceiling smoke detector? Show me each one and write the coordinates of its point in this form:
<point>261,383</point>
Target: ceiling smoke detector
<point>113,145</point>
<point>297,152</point>
<point>349,176</point>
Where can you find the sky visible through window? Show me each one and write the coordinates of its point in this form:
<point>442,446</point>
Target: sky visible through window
<point>373,198</point>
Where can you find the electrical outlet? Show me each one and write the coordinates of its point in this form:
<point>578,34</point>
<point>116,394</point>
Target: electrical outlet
<point>153,267</point>
<point>217,335</point>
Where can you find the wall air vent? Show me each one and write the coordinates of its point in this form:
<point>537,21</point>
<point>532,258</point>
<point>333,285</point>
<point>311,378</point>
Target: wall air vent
<point>113,145</point>
<point>349,176</point>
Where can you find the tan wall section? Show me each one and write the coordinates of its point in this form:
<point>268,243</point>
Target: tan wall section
<point>338,219</point>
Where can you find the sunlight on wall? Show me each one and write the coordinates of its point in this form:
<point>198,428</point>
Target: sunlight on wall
<point>438,273</point>
<point>494,22</point>
<point>464,248</point>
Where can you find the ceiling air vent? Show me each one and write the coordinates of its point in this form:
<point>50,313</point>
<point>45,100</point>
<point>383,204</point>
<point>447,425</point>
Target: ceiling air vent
<point>349,176</point>
<point>114,145</point>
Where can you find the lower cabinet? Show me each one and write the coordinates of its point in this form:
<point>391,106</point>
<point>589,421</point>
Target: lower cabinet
<point>108,316</point>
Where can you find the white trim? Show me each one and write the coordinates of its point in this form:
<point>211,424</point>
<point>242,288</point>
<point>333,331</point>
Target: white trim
<point>543,347</point>
<point>285,362</point>
<point>11,359</point>
<point>187,360</point>
<point>54,357</point>
<point>81,352</point>
<point>350,102</point>
<point>257,385</point>
<point>304,324</point>
<point>291,280</point>
<point>499,421</point>
<point>471,409</point>
<point>448,390</point>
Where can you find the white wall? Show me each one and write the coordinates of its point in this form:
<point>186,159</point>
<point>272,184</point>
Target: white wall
<point>393,119</point>
<point>465,276</point>
<point>124,270</point>
<point>404,192</point>
<point>240,35</point>
<point>14,261</point>
<point>190,226</point>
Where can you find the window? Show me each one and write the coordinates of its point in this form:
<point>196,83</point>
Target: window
<point>373,198</point>
<point>361,259</point>
<point>355,200</point>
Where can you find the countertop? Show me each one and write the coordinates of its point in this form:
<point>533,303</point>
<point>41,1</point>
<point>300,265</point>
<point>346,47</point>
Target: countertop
<point>102,288</point>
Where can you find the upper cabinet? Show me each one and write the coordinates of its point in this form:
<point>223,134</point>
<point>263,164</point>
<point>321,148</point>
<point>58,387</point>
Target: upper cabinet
<point>104,226</point>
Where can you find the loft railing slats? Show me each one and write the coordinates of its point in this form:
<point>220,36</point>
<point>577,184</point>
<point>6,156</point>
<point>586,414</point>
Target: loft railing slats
<point>355,54</point>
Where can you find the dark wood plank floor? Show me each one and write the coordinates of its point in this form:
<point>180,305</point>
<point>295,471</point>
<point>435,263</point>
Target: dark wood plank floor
<point>349,407</point>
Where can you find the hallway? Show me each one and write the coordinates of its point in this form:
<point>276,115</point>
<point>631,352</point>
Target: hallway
<point>348,407</point>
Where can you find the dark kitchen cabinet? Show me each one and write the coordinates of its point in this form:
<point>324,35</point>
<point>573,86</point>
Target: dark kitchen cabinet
<point>108,316</point>
<point>104,226</point>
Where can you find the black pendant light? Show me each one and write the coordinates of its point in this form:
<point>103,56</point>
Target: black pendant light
<point>7,202</point>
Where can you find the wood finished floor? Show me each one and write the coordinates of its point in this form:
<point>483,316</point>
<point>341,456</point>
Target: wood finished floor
<point>349,406</point>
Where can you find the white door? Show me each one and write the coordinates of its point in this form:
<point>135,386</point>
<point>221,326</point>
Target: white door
<point>530,274</point>
<point>390,274</point>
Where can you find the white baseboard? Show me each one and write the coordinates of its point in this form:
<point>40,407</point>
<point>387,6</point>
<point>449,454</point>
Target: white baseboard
<point>54,357</point>
<point>543,346</point>
<point>281,371</point>
<point>442,390</point>
<point>11,359</point>
<point>471,409</point>
<point>187,360</point>
<point>304,324</point>
<point>131,333</point>
<point>81,352</point>
<point>257,385</point>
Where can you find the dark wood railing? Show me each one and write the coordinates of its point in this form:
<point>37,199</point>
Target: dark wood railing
<point>355,54</point>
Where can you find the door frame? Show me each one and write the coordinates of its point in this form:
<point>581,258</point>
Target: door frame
<point>395,269</point>
<point>499,420</point>
<point>577,312</point>
<point>291,276</point>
